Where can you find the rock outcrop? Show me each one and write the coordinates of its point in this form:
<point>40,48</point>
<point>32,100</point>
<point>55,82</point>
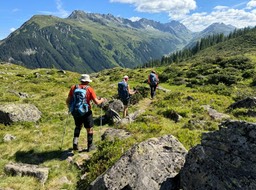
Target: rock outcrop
<point>18,112</point>
<point>41,173</point>
<point>214,114</point>
<point>224,160</point>
<point>110,134</point>
<point>249,102</point>
<point>152,164</point>
<point>113,109</point>
<point>8,137</point>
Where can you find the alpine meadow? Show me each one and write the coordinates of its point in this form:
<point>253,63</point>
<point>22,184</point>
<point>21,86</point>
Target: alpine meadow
<point>201,83</point>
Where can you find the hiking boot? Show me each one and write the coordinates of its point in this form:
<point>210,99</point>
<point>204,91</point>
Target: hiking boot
<point>75,147</point>
<point>91,147</point>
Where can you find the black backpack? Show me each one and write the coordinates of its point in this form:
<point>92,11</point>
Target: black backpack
<point>78,106</point>
<point>123,90</point>
<point>153,79</point>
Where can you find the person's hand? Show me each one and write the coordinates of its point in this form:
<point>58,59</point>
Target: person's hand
<point>102,104</point>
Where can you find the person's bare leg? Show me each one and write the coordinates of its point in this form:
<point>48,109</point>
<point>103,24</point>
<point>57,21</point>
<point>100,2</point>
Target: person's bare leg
<point>125,111</point>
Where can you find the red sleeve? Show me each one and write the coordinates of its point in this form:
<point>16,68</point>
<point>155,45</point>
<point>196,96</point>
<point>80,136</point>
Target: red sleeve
<point>71,91</point>
<point>90,95</point>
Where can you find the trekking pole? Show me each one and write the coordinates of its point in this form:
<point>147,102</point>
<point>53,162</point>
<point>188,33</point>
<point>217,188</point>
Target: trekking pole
<point>100,116</point>
<point>64,132</point>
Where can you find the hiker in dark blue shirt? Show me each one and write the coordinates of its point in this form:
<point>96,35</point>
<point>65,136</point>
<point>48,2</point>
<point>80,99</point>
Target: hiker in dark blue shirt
<point>153,82</point>
<point>124,93</point>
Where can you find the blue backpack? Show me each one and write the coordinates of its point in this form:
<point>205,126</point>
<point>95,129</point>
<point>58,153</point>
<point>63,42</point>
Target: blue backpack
<point>153,79</point>
<point>78,106</point>
<point>123,90</point>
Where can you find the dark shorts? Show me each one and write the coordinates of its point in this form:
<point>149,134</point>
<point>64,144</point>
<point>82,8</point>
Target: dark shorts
<point>86,120</point>
<point>126,102</point>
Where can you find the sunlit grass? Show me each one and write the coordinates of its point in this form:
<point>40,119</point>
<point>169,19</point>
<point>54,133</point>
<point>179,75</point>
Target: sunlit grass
<point>44,141</point>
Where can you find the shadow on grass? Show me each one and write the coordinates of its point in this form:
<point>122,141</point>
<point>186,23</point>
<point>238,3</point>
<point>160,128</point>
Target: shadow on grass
<point>32,157</point>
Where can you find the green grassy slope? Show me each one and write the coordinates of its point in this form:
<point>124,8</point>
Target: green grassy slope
<point>39,143</point>
<point>217,76</point>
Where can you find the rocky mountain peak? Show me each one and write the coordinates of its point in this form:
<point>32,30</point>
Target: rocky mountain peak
<point>77,14</point>
<point>218,28</point>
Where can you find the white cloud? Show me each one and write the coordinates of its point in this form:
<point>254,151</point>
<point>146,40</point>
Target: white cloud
<point>12,29</point>
<point>238,18</point>
<point>251,4</point>
<point>239,15</point>
<point>175,8</point>
<point>220,7</point>
<point>62,12</point>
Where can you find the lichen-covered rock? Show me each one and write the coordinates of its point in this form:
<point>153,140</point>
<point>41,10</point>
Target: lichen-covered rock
<point>214,114</point>
<point>224,160</point>
<point>8,137</point>
<point>18,112</point>
<point>150,165</point>
<point>41,173</point>
<point>111,133</point>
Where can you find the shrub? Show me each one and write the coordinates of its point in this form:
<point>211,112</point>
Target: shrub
<point>253,83</point>
<point>191,74</point>
<point>220,89</point>
<point>170,72</point>
<point>248,74</point>
<point>241,63</point>
<point>163,77</point>
<point>227,79</point>
<point>178,81</point>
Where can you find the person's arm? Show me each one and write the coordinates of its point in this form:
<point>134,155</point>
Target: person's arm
<point>130,91</point>
<point>68,101</point>
<point>98,101</point>
<point>70,94</point>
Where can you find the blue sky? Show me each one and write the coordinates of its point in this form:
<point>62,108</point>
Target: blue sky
<point>194,14</point>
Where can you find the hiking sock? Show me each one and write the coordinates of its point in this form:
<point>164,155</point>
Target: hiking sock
<point>89,141</point>
<point>75,143</point>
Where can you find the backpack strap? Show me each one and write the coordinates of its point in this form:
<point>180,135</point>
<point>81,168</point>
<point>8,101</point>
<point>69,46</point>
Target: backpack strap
<point>77,86</point>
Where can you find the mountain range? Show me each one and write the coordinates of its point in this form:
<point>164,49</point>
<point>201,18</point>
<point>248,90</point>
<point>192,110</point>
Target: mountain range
<point>90,42</point>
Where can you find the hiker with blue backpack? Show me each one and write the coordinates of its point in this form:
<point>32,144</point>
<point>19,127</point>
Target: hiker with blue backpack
<point>78,102</point>
<point>124,93</point>
<point>153,82</point>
